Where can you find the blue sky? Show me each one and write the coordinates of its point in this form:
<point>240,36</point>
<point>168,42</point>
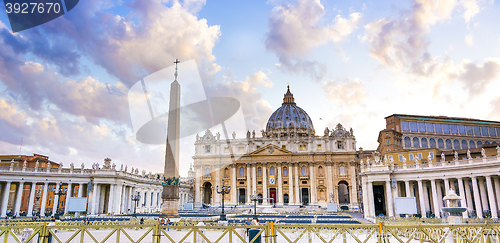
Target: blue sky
<point>64,84</point>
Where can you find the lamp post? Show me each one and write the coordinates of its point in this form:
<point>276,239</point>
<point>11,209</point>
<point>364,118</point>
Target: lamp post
<point>59,193</point>
<point>255,198</point>
<point>136,199</point>
<point>224,190</point>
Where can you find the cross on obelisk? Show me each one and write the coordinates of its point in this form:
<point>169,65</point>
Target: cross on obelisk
<point>170,195</point>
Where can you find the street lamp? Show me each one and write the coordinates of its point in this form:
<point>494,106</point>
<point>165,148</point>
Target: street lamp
<point>255,198</point>
<point>224,191</point>
<point>59,193</point>
<point>136,199</point>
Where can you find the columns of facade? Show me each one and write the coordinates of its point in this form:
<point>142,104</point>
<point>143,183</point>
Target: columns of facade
<point>129,198</point>
<point>265,193</point>
<point>291,198</point>
<point>435,199</point>
<point>407,188</point>
<point>329,183</point>
<point>31,201</point>
<point>279,197</point>
<point>468,197</point>
<point>312,179</point>
<point>123,206</point>
<point>69,194</point>
<point>80,194</point>
<point>371,201</point>
<point>44,198</point>
<point>5,199</point>
<point>19,197</point>
<point>497,190</point>
<point>484,197</point>
<point>421,198</point>
<point>461,192</point>
<point>254,179</point>
<point>95,193</point>
<point>477,200</point>
<point>217,183</point>
<point>234,190</point>
<point>296,186</point>
<point>119,194</point>
<point>491,198</point>
<point>111,198</point>
<point>354,188</point>
<point>439,195</point>
<point>197,186</point>
<point>428,205</point>
<point>248,180</point>
<point>366,208</point>
<point>56,200</point>
<point>389,200</point>
<point>446,186</point>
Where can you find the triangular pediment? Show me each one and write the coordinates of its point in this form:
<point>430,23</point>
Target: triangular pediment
<point>271,149</point>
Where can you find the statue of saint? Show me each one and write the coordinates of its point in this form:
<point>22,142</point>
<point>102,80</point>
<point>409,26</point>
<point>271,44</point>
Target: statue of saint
<point>429,158</point>
<point>483,153</point>
<point>498,151</point>
<point>327,131</point>
<point>443,159</point>
<point>218,135</point>
<point>468,154</point>
<point>234,134</point>
<point>248,133</point>
<point>253,134</point>
<point>455,155</point>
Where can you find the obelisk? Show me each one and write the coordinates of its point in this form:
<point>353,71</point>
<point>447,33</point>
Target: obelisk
<point>170,195</point>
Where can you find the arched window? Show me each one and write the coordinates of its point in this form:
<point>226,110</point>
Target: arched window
<point>304,171</point>
<point>242,172</point>
<point>226,173</point>
<point>441,143</point>
<point>342,170</point>
<point>464,144</point>
<point>207,172</point>
<point>320,170</point>
<point>271,170</point>
<point>432,143</point>
<point>456,144</point>
<point>260,172</point>
<point>407,142</point>
<point>448,144</point>
<point>424,143</point>
<point>416,142</point>
<point>479,144</point>
<point>487,142</point>
<point>285,171</point>
<point>472,144</point>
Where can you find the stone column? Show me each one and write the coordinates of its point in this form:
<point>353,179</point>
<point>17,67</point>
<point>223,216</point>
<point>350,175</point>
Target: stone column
<point>112,198</point>
<point>427,198</point>
<point>117,201</point>
<point>477,200</point>
<point>389,200</point>
<point>446,186</point>
<point>56,200</point>
<point>497,190</point>
<point>468,197</point>
<point>234,190</point>
<point>248,181</point>
<point>19,198</point>
<point>366,208</point>
<point>312,179</point>
<point>95,194</point>
<point>197,185</point>
<point>279,197</point>
<point>44,198</point>
<point>217,197</point>
<point>371,201</point>
<point>421,198</point>
<point>80,194</point>
<point>491,197</point>
<point>484,197</point>
<point>296,179</point>
<point>129,199</point>
<point>254,179</point>
<point>407,189</point>
<point>439,194</point>
<point>354,188</point>
<point>69,194</point>
<point>462,195</point>
<point>5,199</point>
<point>329,183</point>
<point>291,198</point>
<point>435,199</point>
<point>265,193</point>
<point>31,199</point>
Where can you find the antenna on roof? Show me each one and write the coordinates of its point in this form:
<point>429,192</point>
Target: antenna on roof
<point>21,147</point>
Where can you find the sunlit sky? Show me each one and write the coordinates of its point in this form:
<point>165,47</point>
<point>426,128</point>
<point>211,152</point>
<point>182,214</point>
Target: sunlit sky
<point>64,84</point>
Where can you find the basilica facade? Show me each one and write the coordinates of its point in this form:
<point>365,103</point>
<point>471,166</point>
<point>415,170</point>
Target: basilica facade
<point>286,164</point>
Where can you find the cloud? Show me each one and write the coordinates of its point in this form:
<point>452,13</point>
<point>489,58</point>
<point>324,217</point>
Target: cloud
<point>469,40</point>
<point>471,8</point>
<point>345,92</point>
<point>476,77</point>
<point>495,111</point>
<point>295,29</point>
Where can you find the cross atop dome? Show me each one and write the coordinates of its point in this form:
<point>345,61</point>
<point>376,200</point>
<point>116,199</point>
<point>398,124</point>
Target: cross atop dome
<point>288,98</point>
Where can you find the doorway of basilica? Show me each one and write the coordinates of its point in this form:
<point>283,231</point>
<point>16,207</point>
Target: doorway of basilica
<point>207,193</point>
<point>272,194</point>
<point>305,196</point>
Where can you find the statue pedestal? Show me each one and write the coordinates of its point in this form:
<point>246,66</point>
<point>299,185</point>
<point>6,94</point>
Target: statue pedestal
<point>170,205</point>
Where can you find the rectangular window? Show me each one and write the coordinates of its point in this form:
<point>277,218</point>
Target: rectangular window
<point>413,126</point>
<point>388,141</point>
<point>411,157</point>
<point>477,131</point>
<point>302,147</point>
<point>390,157</point>
<point>492,131</point>
<point>484,131</point>
<point>421,127</point>
<point>285,182</point>
<point>258,147</point>
<point>461,129</point>
<point>283,146</point>
<point>226,150</point>
<point>405,125</point>
<point>446,128</point>
<point>259,183</point>
<point>400,157</point>
<point>431,154</point>
<point>241,149</point>
<point>470,130</point>
<point>430,127</point>
<point>319,146</point>
<point>419,156</point>
<point>453,128</point>
<point>498,131</point>
<point>388,150</point>
<point>438,128</point>
<point>207,148</point>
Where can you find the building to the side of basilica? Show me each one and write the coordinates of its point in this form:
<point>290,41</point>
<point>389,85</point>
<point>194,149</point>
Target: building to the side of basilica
<point>287,164</point>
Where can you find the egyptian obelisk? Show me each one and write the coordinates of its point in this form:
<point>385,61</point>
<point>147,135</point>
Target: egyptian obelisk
<point>170,195</point>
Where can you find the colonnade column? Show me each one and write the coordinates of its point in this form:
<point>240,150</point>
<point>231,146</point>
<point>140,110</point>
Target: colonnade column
<point>111,198</point>
<point>131,191</point>
<point>234,191</point>
<point>354,188</point>
<point>31,199</point>
<point>439,195</point>
<point>248,181</point>
<point>468,197</point>
<point>279,197</point>
<point>217,183</point>
<point>69,194</point>
<point>407,188</point>
<point>291,198</point>
<point>95,193</point>
<point>297,193</point>
<point>56,200</point>
<point>435,199</point>
<point>497,190</point>
<point>371,201</point>
<point>491,197</point>
<point>265,194</point>
<point>329,185</point>
<point>5,199</point>
<point>389,200</point>
<point>117,201</point>
<point>197,186</point>
<point>421,198</point>
<point>484,197</point>
<point>366,208</point>
<point>477,200</point>
<point>254,179</point>
<point>313,183</point>
<point>19,197</point>
<point>446,186</point>
<point>44,198</point>
<point>462,195</point>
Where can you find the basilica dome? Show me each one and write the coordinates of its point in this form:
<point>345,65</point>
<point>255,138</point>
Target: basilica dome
<point>289,120</point>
